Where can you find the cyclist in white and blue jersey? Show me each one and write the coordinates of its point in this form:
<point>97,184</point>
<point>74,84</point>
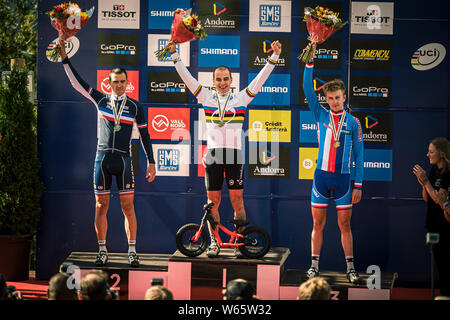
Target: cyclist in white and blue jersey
<point>340,137</point>
<point>116,114</point>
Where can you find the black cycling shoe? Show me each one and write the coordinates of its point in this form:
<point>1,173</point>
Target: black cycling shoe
<point>101,259</point>
<point>312,272</point>
<point>353,276</point>
<point>133,258</point>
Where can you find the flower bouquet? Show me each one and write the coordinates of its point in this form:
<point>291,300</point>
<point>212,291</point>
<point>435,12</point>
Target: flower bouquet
<point>185,27</point>
<point>67,19</point>
<point>321,24</point>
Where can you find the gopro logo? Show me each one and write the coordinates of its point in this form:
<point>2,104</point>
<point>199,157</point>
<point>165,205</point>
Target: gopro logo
<point>269,15</point>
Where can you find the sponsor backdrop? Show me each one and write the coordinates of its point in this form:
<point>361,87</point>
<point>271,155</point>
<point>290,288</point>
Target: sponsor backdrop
<point>393,58</point>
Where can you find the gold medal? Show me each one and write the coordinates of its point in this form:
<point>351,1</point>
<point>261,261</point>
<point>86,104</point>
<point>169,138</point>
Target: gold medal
<point>337,144</point>
<point>222,110</point>
<point>117,127</point>
<point>118,113</point>
<point>221,124</point>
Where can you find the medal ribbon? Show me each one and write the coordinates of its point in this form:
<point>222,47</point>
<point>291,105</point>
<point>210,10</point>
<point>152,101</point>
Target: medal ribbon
<point>117,116</point>
<point>337,133</point>
<point>222,111</point>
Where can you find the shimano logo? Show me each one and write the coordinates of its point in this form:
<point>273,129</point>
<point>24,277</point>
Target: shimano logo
<point>370,92</point>
<point>309,126</point>
<point>377,165</point>
<point>155,13</point>
<point>269,15</point>
<point>274,89</point>
<point>207,51</point>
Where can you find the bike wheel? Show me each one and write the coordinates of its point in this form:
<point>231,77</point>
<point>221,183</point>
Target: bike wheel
<point>185,243</point>
<point>257,242</point>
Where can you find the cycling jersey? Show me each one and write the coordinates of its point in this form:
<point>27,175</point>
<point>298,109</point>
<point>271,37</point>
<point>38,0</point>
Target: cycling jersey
<point>224,130</point>
<point>335,156</point>
<point>111,140</point>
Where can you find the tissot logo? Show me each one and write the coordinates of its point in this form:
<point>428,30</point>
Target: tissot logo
<point>260,50</point>
<point>377,127</point>
<point>166,86</point>
<point>123,14</point>
<point>274,162</point>
<point>122,49</point>
<point>370,91</point>
<point>373,18</point>
<point>220,15</point>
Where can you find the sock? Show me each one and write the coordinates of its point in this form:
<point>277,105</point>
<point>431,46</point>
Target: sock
<point>315,261</point>
<point>350,264</point>
<point>131,246</point>
<point>102,245</point>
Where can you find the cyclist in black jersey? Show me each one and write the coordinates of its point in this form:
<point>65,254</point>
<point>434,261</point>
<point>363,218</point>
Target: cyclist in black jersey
<point>117,114</point>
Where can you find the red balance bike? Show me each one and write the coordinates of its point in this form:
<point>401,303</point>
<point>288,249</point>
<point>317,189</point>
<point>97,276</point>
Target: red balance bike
<point>192,240</point>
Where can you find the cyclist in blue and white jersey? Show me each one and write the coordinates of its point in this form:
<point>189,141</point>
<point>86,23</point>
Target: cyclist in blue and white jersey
<point>225,114</point>
<point>117,113</point>
<point>340,136</point>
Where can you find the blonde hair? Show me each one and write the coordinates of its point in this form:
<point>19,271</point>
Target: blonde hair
<point>334,85</point>
<point>316,288</point>
<point>158,293</point>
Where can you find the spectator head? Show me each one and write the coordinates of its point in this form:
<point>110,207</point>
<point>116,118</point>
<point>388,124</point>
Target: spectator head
<point>3,292</point>
<point>316,288</point>
<point>58,288</point>
<point>239,289</point>
<point>158,293</point>
<point>94,286</point>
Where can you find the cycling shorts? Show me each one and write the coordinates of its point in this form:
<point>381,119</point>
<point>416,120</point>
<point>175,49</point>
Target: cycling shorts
<point>222,163</point>
<point>109,164</point>
<point>330,185</point>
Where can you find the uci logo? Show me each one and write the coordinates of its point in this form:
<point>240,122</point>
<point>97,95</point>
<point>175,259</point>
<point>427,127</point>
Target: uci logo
<point>428,56</point>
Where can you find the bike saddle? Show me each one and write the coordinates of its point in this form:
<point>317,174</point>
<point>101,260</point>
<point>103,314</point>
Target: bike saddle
<point>239,222</point>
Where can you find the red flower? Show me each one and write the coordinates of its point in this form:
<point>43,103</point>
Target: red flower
<point>58,8</point>
<point>194,22</point>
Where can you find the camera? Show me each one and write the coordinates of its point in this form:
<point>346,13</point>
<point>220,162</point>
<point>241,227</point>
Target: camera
<point>432,238</point>
<point>157,282</point>
<point>12,293</point>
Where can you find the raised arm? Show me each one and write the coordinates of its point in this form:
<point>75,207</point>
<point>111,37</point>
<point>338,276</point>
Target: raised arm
<point>75,79</point>
<point>308,88</point>
<point>256,84</point>
<point>194,86</point>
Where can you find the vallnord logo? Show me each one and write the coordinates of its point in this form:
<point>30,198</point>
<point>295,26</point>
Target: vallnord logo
<point>428,56</point>
<point>160,123</point>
